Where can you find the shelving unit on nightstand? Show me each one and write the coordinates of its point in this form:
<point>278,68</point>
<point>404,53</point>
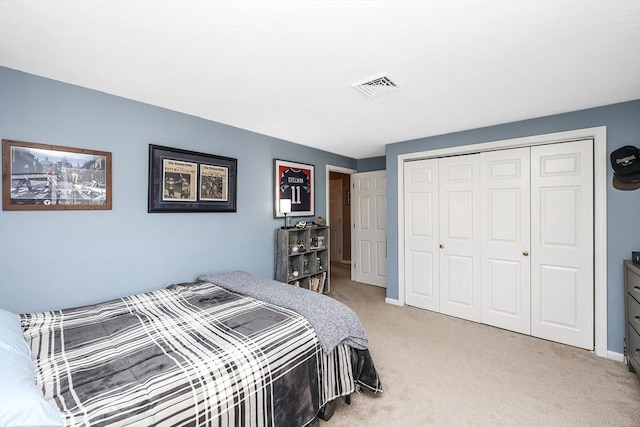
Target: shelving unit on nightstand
<point>302,257</point>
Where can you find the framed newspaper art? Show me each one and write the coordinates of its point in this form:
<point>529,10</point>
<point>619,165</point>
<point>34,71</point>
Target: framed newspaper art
<point>187,181</point>
<point>294,181</point>
<point>52,177</point>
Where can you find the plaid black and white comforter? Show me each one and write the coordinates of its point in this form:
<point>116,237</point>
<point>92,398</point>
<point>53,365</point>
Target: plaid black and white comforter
<point>193,355</point>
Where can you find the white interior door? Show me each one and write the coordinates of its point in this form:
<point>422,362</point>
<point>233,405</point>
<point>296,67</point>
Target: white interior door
<point>369,244</point>
<point>505,239</point>
<point>422,275</point>
<point>562,243</point>
<point>335,219</point>
<point>459,200</point>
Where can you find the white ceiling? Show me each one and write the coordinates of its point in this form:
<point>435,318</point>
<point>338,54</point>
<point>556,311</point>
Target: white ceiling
<point>285,68</point>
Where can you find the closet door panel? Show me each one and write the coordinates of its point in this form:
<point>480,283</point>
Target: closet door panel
<point>562,243</point>
<point>459,211</point>
<point>501,294</point>
<point>422,268</point>
<point>459,272</point>
<point>505,225</point>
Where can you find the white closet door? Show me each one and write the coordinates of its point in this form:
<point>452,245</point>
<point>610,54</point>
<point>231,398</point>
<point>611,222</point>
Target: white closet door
<point>505,266</point>
<point>369,198</point>
<point>562,243</point>
<point>459,211</point>
<point>422,276</point>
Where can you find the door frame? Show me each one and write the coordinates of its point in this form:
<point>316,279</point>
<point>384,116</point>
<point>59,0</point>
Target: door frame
<point>346,171</point>
<point>600,162</point>
<point>334,246</point>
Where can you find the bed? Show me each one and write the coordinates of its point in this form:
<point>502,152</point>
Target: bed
<point>227,349</point>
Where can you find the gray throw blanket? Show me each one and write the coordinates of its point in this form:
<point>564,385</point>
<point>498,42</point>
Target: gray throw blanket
<point>333,321</point>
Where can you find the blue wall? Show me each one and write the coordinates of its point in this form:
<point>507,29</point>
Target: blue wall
<point>371,164</point>
<point>57,259</point>
<point>623,207</point>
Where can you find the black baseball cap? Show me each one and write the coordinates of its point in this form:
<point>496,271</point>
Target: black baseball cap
<point>626,168</point>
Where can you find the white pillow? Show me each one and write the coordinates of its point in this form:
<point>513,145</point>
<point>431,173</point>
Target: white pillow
<point>21,402</point>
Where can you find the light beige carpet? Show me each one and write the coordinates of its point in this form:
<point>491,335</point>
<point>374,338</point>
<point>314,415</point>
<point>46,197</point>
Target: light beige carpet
<point>443,371</point>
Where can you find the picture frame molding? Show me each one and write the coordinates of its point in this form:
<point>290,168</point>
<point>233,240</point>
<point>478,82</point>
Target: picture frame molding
<point>278,193</point>
<point>210,188</point>
<point>81,183</point>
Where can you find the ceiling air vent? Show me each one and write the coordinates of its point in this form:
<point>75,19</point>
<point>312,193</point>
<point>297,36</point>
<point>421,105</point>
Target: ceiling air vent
<point>376,85</point>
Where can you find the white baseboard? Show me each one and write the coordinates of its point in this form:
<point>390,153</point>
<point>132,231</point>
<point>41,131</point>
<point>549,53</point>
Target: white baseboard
<point>618,357</point>
<point>392,301</point>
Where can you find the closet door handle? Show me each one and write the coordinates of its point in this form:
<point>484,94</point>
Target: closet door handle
<point>441,246</point>
<point>525,253</point>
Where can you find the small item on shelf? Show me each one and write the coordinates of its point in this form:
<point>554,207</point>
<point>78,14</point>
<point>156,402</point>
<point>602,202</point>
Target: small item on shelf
<point>315,283</point>
<point>318,264</point>
<point>317,242</point>
<point>295,273</point>
<point>285,208</point>
<point>294,248</point>
<point>320,222</point>
<point>301,247</point>
<point>323,279</point>
<point>296,283</point>
<point>301,224</point>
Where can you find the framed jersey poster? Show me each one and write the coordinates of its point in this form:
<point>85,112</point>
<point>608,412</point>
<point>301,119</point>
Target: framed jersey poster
<point>294,181</point>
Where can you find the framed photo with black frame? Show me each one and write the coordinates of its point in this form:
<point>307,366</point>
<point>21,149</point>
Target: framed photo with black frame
<point>52,177</point>
<point>294,181</point>
<point>188,181</point>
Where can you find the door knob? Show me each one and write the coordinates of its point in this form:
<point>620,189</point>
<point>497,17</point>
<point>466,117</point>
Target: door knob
<point>525,253</point>
<point>441,246</point>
